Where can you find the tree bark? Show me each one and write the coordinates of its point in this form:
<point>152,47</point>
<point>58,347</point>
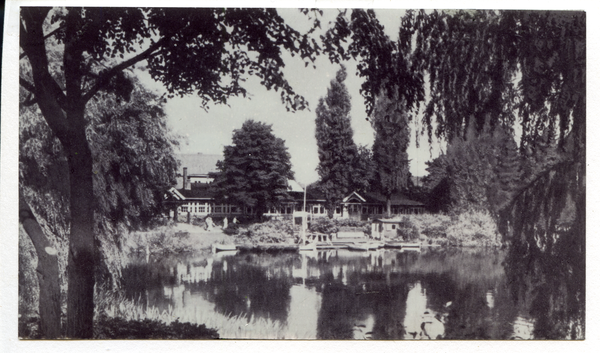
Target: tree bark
<point>81,262</point>
<point>47,272</point>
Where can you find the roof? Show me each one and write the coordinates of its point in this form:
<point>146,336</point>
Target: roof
<point>354,194</point>
<point>201,192</point>
<point>199,163</point>
<point>398,199</point>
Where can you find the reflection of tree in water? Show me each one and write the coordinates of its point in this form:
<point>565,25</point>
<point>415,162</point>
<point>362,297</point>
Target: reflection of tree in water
<point>344,308</point>
<point>459,290</point>
<point>249,289</point>
<point>364,294</point>
<point>139,280</point>
<point>553,295</point>
<point>546,262</point>
<point>469,316</point>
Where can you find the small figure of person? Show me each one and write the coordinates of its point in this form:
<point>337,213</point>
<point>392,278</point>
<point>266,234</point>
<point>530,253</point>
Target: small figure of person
<point>225,223</point>
<point>209,223</point>
<point>235,220</point>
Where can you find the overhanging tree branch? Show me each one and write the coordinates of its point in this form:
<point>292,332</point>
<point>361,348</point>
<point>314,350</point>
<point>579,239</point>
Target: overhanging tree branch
<point>24,54</point>
<point>104,78</point>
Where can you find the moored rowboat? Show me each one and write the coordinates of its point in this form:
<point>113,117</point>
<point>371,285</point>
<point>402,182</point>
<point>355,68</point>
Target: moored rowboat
<point>223,247</point>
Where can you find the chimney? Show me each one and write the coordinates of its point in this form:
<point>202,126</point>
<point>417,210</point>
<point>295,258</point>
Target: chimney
<point>184,178</point>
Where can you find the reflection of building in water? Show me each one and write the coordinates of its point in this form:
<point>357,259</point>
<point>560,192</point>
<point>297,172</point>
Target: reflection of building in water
<point>304,271</point>
<point>523,328</point>
<point>194,273</point>
<point>344,273</point>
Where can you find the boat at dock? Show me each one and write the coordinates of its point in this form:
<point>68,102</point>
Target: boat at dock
<point>358,246</point>
<point>365,246</point>
<point>223,247</point>
<point>402,245</point>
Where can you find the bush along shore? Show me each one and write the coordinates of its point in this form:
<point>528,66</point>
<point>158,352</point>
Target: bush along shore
<point>466,229</point>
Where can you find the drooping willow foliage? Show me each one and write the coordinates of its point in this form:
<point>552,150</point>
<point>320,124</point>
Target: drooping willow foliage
<point>134,163</point>
<point>482,69</point>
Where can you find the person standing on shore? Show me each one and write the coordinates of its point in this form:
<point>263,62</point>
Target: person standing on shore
<point>209,223</point>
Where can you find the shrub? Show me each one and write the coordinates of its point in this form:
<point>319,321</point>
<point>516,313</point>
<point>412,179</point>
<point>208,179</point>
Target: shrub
<point>162,240</point>
<point>474,228</point>
<point>273,231</point>
<point>407,230</point>
<point>232,229</point>
<point>29,327</point>
<point>119,328</point>
<point>326,225</point>
<point>323,225</point>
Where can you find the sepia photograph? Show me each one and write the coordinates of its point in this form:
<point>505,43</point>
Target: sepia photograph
<point>270,173</point>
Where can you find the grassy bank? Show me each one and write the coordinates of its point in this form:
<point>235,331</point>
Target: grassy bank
<point>112,307</point>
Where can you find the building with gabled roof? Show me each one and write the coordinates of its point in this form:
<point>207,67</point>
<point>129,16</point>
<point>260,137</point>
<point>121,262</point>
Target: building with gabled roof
<point>194,196</point>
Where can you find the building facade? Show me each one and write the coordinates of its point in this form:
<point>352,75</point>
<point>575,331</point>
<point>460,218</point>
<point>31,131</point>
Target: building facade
<point>193,197</point>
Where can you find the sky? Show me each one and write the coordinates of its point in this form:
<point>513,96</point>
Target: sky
<point>209,131</point>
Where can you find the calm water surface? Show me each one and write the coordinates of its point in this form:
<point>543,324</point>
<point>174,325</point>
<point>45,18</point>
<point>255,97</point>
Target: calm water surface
<point>341,294</point>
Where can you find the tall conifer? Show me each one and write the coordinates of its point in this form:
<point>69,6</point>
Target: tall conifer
<point>337,150</point>
<point>392,135</point>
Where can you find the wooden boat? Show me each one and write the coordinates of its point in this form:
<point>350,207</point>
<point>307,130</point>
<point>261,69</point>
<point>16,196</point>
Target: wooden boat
<point>402,245</point>
<point>223,247</point>
<point>374,245</point>
<point>358,246</point>
<point>411,245</point>
<point>393,245</point>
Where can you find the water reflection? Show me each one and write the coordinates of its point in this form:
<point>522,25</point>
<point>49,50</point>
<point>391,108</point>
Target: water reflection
<point>340,294</point>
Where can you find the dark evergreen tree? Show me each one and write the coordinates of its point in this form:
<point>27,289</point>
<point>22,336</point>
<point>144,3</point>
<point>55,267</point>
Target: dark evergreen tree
<point>437,185</point>
<point>255,170</point>
<point>392,135</point>
<point>363,170</point>
<point>476,173</point>
<point>337,151</point>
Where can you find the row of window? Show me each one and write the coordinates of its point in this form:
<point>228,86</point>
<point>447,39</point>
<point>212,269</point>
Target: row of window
<point>193,207</point>
<point>196,207</point>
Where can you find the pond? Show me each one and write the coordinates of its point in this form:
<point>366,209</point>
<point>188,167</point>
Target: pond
<point>337,294</point>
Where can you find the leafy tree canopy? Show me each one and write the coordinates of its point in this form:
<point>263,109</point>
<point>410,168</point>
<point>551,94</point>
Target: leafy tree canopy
<point>255,170</point>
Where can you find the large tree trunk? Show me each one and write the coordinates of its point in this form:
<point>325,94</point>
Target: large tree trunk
<point>81,263</point>
<point>47,272</point>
